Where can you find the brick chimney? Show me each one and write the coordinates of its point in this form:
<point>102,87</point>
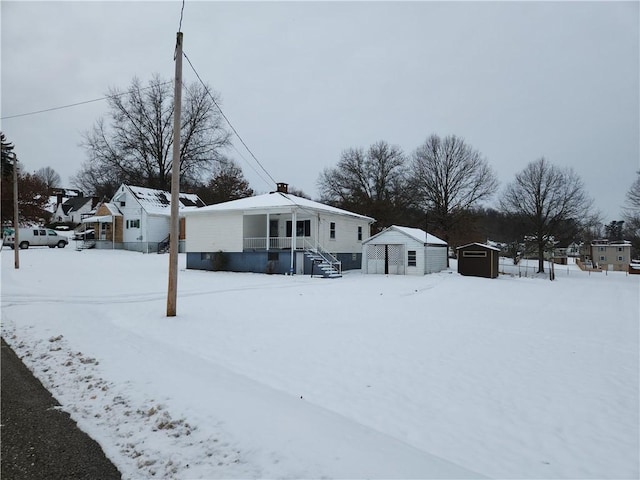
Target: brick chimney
<point>282,187</point>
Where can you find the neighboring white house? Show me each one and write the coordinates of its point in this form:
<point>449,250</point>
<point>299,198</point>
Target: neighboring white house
<point>275,233</point>
<point>404,250</point>
<point>138,218</point>
<point>73,209</point>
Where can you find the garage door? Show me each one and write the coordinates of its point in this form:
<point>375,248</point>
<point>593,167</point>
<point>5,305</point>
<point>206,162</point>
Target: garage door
<point>385,259</point>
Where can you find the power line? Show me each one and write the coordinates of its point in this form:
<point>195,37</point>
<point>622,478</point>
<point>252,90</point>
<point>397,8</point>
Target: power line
<point>77,104</point>
<point>249,164</point>
<point>181,13</point>
<point>227,120</point>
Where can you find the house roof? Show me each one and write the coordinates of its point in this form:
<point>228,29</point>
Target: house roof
<point>158,202</point>
<point>415,233</point>
<point>74,204</point>
<point>112,208</point>
<point>479,245</point>
<point>275,201</point>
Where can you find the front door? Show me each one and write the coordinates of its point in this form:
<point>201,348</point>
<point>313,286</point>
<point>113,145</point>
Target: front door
<point>103,231</point>
<point>273,233</point>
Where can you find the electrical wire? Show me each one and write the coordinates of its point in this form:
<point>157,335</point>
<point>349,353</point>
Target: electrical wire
<point>257,172</point>
<point>181,13</point>
<point>287,196</point>
<point>227,120</point>
<point>78,103</point>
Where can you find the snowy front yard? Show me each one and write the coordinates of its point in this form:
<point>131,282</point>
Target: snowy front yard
<point>365,376</point>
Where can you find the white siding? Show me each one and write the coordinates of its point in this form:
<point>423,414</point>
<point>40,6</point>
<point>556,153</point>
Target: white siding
<point>346,240</point>
<point>204,234</point>
<point>155,228</point>
<point>436,259</point>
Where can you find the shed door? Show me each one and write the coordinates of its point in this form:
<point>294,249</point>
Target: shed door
<point>375,259</point>
<point>385,259</point>
<point>395,260</point>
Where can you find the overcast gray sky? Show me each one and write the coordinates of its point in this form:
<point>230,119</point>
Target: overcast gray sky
<point>302,81</point>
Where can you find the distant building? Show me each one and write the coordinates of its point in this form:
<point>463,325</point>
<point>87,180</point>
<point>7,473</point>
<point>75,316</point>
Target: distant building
<point>73,209</point>
<point>611,255</point>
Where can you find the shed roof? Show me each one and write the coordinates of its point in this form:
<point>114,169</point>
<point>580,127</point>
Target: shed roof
<point>274,201</point>
<point>478,245</point>
<point>415,233</point>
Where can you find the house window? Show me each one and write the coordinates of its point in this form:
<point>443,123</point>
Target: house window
<point>332,230</point>
<point>603,258</point>
<point>359,234</point>
<point>133,223</point>
<point>411,258</point>
<point>601,249</point>
<point>620,259</point>
<point>303,228</point>
<point>619,249</point>
<point>474,254</point>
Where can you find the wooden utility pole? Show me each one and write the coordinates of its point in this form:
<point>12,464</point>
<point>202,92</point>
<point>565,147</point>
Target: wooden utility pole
<point>174,231</point>
<point>16,224</point>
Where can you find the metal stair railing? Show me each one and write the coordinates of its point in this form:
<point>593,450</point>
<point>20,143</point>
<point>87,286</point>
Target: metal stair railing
<point>327,257</point>
<point>163,246</point>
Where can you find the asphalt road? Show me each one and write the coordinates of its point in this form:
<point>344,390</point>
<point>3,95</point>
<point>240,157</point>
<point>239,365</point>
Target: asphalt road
<point>38,440</point>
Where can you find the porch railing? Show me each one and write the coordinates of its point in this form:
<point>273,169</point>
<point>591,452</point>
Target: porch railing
<point>260,243</point>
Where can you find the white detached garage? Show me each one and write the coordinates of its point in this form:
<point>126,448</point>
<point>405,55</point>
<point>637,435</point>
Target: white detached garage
<point>403,251</point>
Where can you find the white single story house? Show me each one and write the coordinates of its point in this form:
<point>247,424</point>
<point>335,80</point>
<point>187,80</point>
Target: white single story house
<point>403,251</point>
<point>275,233</point>
<point>138,218</point>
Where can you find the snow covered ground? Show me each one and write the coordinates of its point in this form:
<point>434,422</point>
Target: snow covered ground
<point>365,376</point>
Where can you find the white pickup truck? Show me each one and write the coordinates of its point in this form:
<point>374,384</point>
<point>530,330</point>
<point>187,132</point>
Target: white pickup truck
<point>36,237</point>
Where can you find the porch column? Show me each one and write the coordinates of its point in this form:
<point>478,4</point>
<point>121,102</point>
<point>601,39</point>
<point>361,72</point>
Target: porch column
<point>293,238</point>
<point>267,235</point>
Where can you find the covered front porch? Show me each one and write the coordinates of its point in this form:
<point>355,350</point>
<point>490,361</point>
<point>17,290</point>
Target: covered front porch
<point>275,231</point>
<point>288,232</point>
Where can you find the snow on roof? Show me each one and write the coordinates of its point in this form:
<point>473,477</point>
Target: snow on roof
<point>158,202</point>
<point>420,235</point>
<point>113,209</point>
<point>415,233</point>
<point>276,200</point>
<point>75,203</point>
<point>479,245</point>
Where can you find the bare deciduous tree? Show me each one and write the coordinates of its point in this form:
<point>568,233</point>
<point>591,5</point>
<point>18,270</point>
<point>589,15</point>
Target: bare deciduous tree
<point>49,177</point>
<point>135,145</point>
<point>546,197</point>
<point>368,182</point>
<point>450,178</point>
<point>228,183</point>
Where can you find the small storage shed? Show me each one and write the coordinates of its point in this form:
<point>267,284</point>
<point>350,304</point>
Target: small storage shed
<point>403,251</point>
<point>478,260</point>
